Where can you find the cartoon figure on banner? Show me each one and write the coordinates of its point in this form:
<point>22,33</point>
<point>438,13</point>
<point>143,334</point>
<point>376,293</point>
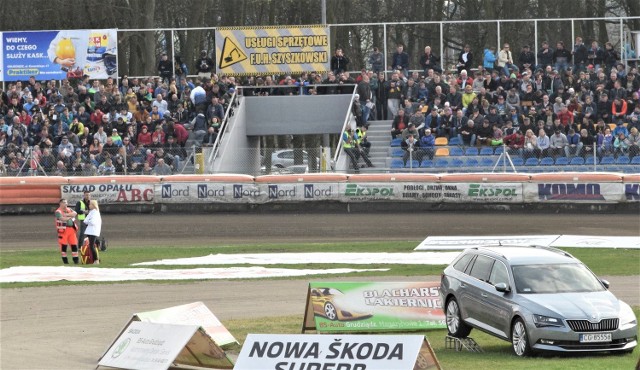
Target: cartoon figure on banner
<point>80,54</point>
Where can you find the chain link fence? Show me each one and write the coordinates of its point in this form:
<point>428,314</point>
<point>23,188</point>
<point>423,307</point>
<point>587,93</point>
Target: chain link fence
<point>57,161</point>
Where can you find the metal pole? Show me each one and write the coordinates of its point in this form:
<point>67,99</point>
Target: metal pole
<point>384,25</point>
<point>535,43</point>
<point>324,11</point>
<point>595,157</point>
<point>444,68</point>
<point>498,37</point>
<point>573,38</point>
<point>622,56</point>
<point>173,54</point>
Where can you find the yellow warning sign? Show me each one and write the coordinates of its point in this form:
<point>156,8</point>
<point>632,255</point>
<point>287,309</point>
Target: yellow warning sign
<point>272,50</point>
<point>231,54</point>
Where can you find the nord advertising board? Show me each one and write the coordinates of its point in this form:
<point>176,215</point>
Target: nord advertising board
<point>272,50</point>
<point>373,307</point>
<point>56,55</point>
<point>211,192</point>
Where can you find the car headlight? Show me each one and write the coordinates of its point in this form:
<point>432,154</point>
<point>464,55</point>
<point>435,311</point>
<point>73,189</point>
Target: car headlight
<point>627,317</point>
<point>542,321</point>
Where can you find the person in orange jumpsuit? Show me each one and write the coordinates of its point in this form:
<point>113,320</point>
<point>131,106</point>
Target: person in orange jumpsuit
<point>66,227</point>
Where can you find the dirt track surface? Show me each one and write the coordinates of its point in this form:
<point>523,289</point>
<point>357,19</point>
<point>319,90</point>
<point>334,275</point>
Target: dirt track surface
<point>70,327</point>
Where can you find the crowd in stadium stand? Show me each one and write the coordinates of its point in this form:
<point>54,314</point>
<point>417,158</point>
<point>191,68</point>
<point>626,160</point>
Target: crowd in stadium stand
<point>570,100</point>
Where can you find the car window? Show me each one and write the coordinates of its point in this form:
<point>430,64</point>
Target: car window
<point>286,155</point>
<point>482,268</point>
<point>557,278</point>
<point>462,262</point>
<point>499,274</point>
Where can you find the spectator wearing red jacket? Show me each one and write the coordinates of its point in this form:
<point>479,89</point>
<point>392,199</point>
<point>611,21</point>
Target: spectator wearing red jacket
<point>178,131</point>
<point>144,137</point>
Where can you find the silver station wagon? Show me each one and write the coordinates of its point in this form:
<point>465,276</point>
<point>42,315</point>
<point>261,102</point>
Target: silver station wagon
<point>538,298</point>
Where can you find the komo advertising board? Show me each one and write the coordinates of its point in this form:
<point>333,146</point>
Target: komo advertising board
<point>373,307</point>
<point>574,192</point>
<point>56,55</point>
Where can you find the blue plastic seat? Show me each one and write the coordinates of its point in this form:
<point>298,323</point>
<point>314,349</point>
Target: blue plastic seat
<point>591,161</point>
<point>562,161</point>
<point>396,141</point>
<point>397,152</point>
<point>546,161</point>
<point>623,159</point>
<point>454,141</point>
<point>635,160</point>
<point>517,161</point>
<point>577,161</point>
<point>426,163</point>
<point>531,162</point>
<point>487,162</point>
<point>397,163</point>
<point>499,150</point>
<point>412,164</point>
<point>442,163</point>
<point>456,151</point>
<point>486,151</point>
<point>471,151</point>
<point>607,160</point>
<point>457,163</point>
<point>471,162</point>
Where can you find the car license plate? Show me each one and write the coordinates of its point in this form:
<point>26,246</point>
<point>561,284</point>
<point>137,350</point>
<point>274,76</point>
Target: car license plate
<point>593,338</point>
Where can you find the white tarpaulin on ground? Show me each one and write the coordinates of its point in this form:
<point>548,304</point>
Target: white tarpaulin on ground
<point>57,273</point>
<point>420,258</point>
<point>462,242</point>
<point>590,241</point>
<point>559,241</point>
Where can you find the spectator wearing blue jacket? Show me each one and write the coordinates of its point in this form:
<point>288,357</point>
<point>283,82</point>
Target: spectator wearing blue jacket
<point>489,58</point>
<point>427,144</point>
<point>575,145</point>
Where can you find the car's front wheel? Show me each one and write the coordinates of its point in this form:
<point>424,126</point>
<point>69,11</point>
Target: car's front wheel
<point>457,328</point>
<point>520,339</point>
<point>330,311</point>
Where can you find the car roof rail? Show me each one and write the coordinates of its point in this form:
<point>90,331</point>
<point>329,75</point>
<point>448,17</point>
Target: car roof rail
<point>553,249</point>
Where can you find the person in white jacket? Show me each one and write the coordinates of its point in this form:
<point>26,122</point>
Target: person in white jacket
<point>93,228</point>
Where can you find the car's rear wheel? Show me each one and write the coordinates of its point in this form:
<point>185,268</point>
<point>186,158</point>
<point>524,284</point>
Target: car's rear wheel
<point>520,339</point>
<point>330,311</point>
<point>457,328</point>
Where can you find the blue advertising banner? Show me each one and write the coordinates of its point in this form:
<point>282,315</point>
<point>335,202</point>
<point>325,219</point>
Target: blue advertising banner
<point>56,55</point>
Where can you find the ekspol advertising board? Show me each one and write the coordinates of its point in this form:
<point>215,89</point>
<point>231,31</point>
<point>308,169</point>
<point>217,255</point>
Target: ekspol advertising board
<point>337,352</point>
<point>272,50</point>
<point>56,55</point>
<point>110,193</point>
<point>335,307</point>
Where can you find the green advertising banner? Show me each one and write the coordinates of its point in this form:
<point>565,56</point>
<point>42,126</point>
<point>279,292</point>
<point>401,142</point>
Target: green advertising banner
<point>373,307</point>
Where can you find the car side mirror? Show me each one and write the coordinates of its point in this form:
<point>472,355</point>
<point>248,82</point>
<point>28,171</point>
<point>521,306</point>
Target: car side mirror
<point>605,283</point>
<point>502,288</point>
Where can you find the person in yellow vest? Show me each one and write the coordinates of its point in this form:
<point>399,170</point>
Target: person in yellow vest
<point>82,209</point>
<point>350,146</point>
<point>363,144</point>
<point>66,228</point>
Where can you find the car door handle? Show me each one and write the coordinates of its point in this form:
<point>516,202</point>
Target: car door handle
<point>484,295</point>
<point>463,285</point>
